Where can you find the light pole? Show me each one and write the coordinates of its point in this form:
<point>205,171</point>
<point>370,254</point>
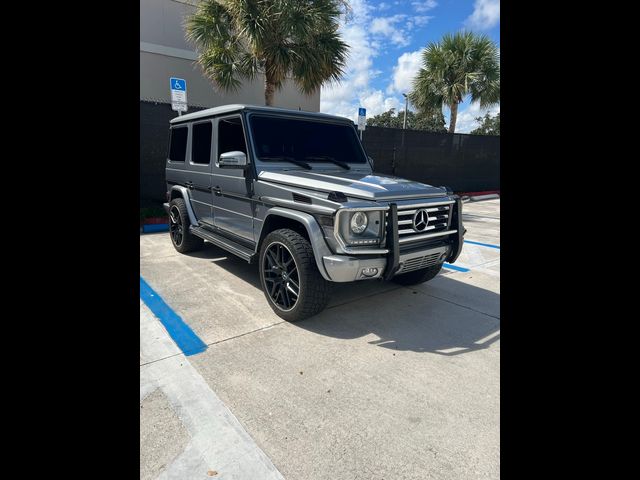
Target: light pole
<point>406,105</point>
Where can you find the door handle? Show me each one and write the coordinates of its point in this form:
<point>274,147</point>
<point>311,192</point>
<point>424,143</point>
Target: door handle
<point>216,190</point>
<point>189,185</point>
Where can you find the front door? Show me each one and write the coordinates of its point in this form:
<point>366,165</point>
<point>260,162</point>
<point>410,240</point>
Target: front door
<point>231,200</point>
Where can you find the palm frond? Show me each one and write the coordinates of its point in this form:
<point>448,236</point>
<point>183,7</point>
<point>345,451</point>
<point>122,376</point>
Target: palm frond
<point>296,39</point>
<point>459,65</point>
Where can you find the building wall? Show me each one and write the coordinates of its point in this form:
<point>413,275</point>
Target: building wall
<point>165,53</point>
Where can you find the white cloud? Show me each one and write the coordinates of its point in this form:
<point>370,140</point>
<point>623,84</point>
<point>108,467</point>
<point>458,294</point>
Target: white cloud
<point>404,72</point>
<point>486,14</point>
<point>418,21</point>
<point>466,120</point>
<point>375,102</point>
<point>383,6</point>
<point>367,35</point>
<point>387,27</point>
<point>424,5</point>
<point>354,91</point>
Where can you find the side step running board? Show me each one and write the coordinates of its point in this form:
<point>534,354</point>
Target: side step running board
<point>222,242</point>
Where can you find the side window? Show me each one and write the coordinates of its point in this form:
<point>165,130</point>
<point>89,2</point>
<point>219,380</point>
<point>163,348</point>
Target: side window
<point>178,144</point>
<point>231,136</point>
<point>201,143</point>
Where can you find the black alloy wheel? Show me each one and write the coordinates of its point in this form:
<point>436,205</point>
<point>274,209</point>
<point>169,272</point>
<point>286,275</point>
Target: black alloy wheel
<point>281,276</point>
<point>176,229</point>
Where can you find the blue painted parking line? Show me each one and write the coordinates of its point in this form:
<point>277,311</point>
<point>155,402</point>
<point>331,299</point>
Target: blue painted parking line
<point>180,332</point>
<point>483,244</point>
<point>156,227</point>
<point>455,267</point>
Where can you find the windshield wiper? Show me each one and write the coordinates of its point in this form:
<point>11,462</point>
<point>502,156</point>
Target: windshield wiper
<point>327,158</point>
<point>284,158</point>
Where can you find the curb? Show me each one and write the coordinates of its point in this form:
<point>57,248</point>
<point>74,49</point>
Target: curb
<point>484,197</point>
<point>479,196</point>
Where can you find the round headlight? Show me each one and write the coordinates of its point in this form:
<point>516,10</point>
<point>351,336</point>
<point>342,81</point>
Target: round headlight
<point>359,222</point>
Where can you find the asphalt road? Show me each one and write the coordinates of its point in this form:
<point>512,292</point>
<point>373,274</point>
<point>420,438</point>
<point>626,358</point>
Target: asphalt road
<point>388,382</point>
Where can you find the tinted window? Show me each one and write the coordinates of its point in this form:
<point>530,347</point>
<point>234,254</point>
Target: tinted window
<point>231,136</point>
<point>178,144</point>
<point>305,140</point>
<point>201,143</point>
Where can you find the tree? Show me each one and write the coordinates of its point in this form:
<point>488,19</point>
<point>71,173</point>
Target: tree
<point>430,122</point>
<point>459,65</point>
<point>488,125</point>
<point>239,39</point>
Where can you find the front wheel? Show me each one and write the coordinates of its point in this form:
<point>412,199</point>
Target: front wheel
<point>290,279</point>
<point>417,276</point>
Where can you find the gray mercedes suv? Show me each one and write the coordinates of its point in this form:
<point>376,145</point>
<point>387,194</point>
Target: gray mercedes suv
<point>295,193</point>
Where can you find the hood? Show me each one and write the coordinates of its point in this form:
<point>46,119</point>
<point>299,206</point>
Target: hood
<point>354,184</point>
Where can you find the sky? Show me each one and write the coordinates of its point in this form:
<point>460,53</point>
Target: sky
<point>386,38</point>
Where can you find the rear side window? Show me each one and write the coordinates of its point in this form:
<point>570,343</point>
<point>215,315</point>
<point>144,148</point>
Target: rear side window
<point>178,144</point>
<point>201,143</point>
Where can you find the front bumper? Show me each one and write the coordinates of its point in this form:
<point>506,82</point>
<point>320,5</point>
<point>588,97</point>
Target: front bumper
<point>345,268</point>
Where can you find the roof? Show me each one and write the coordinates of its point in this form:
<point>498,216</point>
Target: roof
<point>239,107</point>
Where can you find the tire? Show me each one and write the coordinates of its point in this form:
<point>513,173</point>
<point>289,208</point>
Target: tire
<point>286,260</point>
<point>183,241</point>
<point>417,276</point>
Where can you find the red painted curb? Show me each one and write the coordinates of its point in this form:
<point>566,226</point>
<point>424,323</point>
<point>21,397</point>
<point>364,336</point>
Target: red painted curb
<point>477,194</point>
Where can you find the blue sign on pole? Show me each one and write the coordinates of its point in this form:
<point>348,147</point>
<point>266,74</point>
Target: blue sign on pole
<point>362,116</point>
<point>178,88</point>
<point>178,84</point>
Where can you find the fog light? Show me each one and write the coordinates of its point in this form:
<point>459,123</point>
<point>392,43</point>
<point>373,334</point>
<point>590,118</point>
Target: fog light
<point>369,271</point>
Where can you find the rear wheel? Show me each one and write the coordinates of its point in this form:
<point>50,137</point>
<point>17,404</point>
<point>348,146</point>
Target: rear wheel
<point>183,240</point>
<point>417,276</point>
<point>290,279</point>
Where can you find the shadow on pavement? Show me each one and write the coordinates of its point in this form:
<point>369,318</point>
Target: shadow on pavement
<point>403,318</point>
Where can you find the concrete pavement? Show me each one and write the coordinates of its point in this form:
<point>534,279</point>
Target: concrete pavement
<point>388,382</point>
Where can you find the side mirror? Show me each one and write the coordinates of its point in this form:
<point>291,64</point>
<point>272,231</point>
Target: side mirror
<point>233,159</point>
<point>371,161</point>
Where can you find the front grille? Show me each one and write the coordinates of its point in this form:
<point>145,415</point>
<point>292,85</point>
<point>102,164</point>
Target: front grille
<point>420,262</point>
<point>419,222</point>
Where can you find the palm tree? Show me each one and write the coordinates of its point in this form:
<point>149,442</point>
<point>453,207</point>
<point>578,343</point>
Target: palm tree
<point>239,39</point>
<point>459,65</point>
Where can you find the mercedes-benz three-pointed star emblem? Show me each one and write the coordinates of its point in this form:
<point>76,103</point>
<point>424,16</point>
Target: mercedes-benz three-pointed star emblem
<point>420,220</point>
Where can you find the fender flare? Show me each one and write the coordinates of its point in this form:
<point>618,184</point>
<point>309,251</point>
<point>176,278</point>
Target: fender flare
<point>316,235</point>
<point>185,195</point>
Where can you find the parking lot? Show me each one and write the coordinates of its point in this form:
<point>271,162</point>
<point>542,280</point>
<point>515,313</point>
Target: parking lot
<point>389,382</point>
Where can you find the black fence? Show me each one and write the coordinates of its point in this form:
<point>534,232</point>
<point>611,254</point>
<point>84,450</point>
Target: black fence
<point>154,139</point>
<point>465,163</point>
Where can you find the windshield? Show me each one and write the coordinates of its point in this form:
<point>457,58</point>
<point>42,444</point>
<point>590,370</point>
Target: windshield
<point>301,141</point>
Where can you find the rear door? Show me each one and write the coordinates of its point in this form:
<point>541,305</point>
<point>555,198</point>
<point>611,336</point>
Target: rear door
<point>177,167</point>
<point>198,178</point>
<point>232,204</point>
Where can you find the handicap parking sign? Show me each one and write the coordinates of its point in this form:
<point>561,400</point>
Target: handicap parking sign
<point>178,84</point>
<point>178,88</point>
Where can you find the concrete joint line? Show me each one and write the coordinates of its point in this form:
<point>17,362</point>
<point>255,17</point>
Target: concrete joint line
<point>218,440</point>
